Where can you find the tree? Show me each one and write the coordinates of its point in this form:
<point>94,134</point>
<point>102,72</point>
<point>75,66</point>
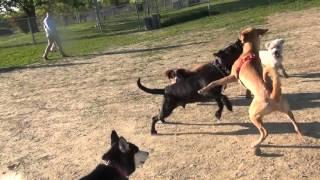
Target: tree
<point>27,6</point>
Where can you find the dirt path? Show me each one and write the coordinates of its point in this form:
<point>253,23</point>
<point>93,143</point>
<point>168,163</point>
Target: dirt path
<point>55,120</point>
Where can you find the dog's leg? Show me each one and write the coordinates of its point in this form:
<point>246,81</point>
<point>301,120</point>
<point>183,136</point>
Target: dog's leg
<point>226,102</point>
<point>220,105</point>
<point>283,71</point>
<point>295,125</point>
<point>220,82</point>
<point>256,119</point>
<point>168,105</point>
<point>155,119</point>
<point>284,107</point>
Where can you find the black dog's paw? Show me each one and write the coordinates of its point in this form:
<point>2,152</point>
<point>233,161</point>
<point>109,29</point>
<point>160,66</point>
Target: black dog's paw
<point>257,151</point>
<point>163,121</point>
<point>154,132</point>
<point>229,106</point>
<point>218,115</point>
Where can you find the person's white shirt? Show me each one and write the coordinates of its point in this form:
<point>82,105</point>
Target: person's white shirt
<point>49,26</point>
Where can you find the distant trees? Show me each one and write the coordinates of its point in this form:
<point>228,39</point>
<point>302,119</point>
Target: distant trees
<point>27,6</point>
<point>30,7</point>
<point>114,2</point>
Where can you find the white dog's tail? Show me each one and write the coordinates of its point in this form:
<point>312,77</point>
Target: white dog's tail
<point>276,84</point>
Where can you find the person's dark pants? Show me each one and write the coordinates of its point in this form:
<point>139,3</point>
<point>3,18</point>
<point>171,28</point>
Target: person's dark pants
<point>53,40</point>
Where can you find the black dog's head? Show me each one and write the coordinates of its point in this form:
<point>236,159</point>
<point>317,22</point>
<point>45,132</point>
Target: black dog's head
<point>230,54</point>
<point>124,155</point>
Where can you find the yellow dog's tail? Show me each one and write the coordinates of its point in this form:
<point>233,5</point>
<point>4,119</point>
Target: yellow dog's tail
<point>276,84</point>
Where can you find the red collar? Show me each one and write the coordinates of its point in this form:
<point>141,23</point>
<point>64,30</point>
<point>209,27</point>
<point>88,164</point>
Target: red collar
<point>245,59</point>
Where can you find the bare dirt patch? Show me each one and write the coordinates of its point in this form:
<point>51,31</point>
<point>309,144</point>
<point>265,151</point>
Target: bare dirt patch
<point>56,120</point>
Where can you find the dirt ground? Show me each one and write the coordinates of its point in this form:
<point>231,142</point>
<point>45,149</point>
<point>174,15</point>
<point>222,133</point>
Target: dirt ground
<point>55,120</point>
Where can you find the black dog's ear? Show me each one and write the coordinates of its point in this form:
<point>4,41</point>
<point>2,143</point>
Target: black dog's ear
<point>169,73</point>
<point>114,137</point>
<point>123,145</point>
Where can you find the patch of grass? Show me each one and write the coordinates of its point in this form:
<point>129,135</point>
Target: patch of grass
<point>83,39</point>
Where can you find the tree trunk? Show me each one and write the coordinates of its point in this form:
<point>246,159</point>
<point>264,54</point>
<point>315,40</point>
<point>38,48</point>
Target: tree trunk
<point>30,11</point>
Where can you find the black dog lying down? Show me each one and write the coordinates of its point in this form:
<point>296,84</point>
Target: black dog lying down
<point>185,91</point>
<point>119,162</point>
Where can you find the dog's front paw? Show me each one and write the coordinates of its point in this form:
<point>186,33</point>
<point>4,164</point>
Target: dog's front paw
<point>202,91</point>
<point>218,115</point>
<point>257,151</point>
<point>154,132</point>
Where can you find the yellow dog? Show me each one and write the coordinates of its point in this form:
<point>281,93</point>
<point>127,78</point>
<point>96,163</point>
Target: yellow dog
<point>248,69</point>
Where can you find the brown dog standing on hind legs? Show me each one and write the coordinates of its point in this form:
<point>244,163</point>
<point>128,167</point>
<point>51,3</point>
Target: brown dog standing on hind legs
<point>267,96</point>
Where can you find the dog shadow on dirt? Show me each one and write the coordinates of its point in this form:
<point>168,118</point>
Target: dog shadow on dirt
<point>297,101</point>
<point>309,129</point>
<point>140,50</point>
<point>308,76</point>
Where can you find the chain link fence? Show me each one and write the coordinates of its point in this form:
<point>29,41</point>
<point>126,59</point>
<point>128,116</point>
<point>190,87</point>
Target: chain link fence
<point>127,18</point>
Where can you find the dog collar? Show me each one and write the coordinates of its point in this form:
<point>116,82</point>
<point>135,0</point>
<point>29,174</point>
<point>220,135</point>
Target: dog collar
<point>243,60</point>
<point>120,170</point>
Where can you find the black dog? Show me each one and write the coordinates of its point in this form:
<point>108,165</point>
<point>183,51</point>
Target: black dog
<point>185,91</point>
<point>119,162</point>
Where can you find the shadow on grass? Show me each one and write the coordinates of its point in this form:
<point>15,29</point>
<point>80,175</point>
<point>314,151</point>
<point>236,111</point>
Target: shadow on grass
<point>240,5</point>
<point>311,129</point>
<point>144,49</point>
<point>199,11</point>
<point>10,69</point>
<point>66,39</point>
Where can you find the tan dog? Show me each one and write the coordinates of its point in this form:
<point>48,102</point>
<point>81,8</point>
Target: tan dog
<point>248,69</point>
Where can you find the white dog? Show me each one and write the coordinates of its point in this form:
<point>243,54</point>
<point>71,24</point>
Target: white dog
<point>273,55</point>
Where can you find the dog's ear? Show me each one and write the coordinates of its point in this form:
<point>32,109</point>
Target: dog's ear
<point>261,31</point>
<point>123,145</point>
<point>169,73</point>
<point>267,45</point>
<point>244,34</point>
<point>114,137</point>
<point>281,41</point>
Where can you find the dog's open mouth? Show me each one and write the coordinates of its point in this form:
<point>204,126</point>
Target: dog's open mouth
<point>277,54</point>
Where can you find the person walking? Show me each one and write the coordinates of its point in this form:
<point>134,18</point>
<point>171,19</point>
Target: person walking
<point>52,36</point>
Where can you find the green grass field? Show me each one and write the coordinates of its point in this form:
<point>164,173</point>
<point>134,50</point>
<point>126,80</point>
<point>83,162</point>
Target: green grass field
<point>83,39</point>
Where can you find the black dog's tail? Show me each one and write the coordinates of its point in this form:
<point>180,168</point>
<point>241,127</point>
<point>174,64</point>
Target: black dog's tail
<point>147,90</point>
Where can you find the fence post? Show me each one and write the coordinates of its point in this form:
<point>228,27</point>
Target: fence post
<point>98,15</point>
<point>209,8</point>
<point>138,16</point>
<point>31,30</point>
